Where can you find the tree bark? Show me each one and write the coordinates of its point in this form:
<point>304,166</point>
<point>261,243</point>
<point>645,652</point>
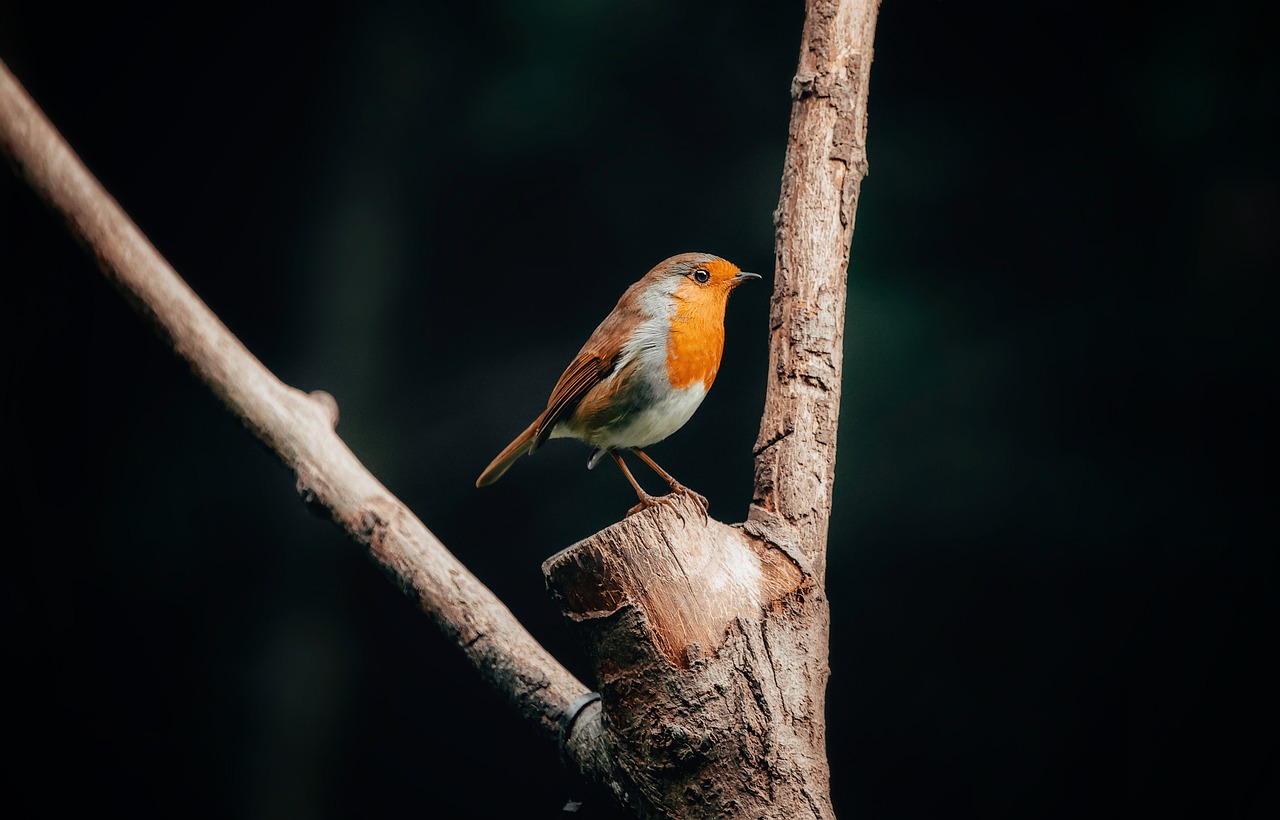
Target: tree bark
<point>298,427</point>
<point>710,651</point>
<point>709,641</point>
<point>821,177</point>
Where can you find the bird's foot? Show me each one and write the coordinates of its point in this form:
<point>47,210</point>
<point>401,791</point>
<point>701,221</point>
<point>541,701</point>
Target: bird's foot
<point>647,501</point>
<point>699,500</point>
<point>671,500</point>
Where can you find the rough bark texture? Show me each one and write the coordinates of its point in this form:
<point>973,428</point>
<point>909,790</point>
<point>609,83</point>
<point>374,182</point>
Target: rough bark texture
<point>710,651</point>
<point>710,642</point>
<point>295,425</point>
<point>823,170</point>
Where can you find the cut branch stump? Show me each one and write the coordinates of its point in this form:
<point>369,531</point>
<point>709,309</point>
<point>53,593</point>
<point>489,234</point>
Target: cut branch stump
<point>709,650</point>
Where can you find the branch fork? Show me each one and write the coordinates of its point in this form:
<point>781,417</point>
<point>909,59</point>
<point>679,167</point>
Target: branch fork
<point>709,642</point>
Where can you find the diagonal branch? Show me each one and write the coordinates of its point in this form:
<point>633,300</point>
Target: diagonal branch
<point>710,643</point>
<point>296,426</point>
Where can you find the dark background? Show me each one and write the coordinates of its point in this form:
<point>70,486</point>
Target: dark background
<point>1052,559</point>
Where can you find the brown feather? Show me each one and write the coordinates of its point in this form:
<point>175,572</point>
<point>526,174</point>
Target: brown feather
<point>594,362</point>
<point>585,373</point>
<point>523,445</point>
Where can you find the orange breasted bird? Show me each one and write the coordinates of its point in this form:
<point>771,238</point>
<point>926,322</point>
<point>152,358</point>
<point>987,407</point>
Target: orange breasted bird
<point>643,372</point>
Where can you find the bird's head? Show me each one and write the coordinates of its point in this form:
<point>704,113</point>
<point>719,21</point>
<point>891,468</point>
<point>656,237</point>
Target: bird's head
<point>699,278</point>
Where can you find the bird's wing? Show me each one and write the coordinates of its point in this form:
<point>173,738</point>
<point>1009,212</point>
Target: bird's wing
<point>595,362</point>
<point>590,368</point>
<point>586,371</point>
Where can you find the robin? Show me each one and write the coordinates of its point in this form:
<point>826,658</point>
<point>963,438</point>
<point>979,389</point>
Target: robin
<point>643,372</point>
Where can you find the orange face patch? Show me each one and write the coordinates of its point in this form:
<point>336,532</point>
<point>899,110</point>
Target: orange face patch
<point>721,271</point>
<point>697,333</point>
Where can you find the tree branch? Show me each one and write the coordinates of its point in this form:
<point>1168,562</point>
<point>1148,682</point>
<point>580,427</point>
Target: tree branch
<point>709,642</point>
<point>823,170</point>
<point>296,426</point>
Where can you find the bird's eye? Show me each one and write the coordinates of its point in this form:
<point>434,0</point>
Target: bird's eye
<point>701,276</point>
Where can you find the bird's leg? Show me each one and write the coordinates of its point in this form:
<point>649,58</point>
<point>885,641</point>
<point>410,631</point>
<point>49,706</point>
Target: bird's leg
<point>699,501</point>
<point>646,500</point>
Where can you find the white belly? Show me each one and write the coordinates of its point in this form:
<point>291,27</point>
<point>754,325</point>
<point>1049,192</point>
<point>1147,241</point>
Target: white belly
<point>647,426</point>
<point>660,420</point>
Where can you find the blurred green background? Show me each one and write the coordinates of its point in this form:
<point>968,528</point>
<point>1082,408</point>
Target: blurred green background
<point>1052,557</point>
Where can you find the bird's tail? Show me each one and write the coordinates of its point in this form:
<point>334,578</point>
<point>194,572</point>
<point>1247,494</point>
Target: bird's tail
<point>524,444</point>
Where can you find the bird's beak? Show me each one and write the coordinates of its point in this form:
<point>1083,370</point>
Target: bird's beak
<point>742,277</point>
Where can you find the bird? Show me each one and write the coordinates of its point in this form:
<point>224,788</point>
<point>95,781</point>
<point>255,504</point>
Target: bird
<point>641,374</point>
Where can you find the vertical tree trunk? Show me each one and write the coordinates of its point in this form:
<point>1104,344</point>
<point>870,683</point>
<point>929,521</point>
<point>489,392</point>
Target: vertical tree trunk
<point>821,176</point>
<point>710,642</point>
<point>710,651</point>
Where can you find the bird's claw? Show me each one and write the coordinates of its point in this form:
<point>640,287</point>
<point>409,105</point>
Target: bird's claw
<point>671,500</point>
<point>699,500</point>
